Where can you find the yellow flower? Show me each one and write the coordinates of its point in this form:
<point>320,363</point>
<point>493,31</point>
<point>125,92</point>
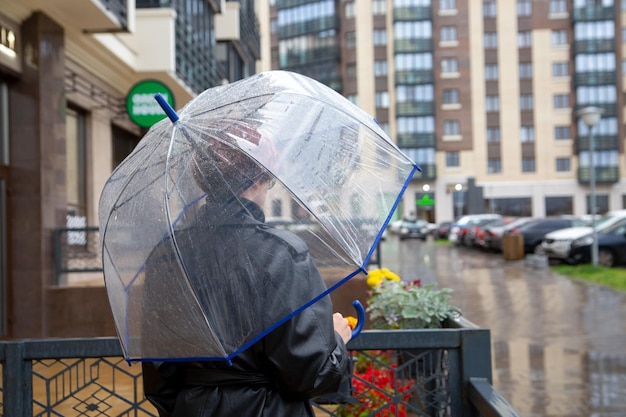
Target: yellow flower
<point>376,276</point>
<point>352,321</point>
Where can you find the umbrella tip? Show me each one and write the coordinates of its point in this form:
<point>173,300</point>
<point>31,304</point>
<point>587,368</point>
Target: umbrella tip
<point>169,111</point>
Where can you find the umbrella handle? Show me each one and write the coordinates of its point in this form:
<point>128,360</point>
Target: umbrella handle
<point>360,315</point>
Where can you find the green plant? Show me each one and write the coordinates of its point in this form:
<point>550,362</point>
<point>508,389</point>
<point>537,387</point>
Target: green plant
<point>403,305</point>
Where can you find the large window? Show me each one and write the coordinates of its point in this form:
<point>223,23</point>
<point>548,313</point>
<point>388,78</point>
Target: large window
<point>489,8</point>
<point>519,207</point>
<point>527,134</point>
<point>560,69</point>
<point>558,6</point>
<point>562,132</point>
<point>528,164</point>
<point>492,103</point>
<point>380,68</point>
<point>524,39</point>
<point>557,206</point>
<point>380,37</point>
<point>75,170</point>
<point>490,40</point>
<point>602,203</point>
<point>524,7</point>
<point>525,70</point>
<point>526,102</point>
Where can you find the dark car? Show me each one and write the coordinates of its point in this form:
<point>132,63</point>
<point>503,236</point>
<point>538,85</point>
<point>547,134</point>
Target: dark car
<point>534,231</point>
<point>413,229</point>
<point>611,247</point>
<point>442,230</point>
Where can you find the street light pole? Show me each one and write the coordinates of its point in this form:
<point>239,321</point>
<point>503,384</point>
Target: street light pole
<point>591,116</point>
<point>459,199</point>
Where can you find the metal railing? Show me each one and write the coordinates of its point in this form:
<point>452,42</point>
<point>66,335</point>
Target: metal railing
<point>431,372</point>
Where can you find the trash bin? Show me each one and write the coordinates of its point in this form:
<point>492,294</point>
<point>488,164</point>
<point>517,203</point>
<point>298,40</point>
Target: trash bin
<point>513,247</point>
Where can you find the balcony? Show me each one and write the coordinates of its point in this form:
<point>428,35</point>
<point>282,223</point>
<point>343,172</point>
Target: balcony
<point>590,13</point>
<point>414,77</point>
<point>411,13</point>
<point>604,175</point>
<point>601,143</point>
<point>412,45</point>
<point>443,372</point>
<point>416,140</point>
<point>308,26</point>
<point>415,108</point>
<point>429,172</point>
<point>88,15</point>
<point>594,46</point>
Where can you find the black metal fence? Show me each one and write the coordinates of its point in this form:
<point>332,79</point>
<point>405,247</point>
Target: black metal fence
<point>432,372</point>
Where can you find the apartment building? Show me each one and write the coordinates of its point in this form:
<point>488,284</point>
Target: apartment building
<point>483,95</point>
<point>67,70</point>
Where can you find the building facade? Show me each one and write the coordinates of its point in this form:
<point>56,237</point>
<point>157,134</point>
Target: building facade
<point>483,95</point>
<point>66,69</point>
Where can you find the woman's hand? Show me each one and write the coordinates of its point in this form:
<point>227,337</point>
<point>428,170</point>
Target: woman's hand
<point>342,327</point>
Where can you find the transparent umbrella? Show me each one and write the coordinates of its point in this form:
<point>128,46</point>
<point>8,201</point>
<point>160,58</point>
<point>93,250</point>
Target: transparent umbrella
<point>176,221</point>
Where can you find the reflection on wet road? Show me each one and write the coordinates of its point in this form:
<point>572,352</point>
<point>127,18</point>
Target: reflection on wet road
<point>558,345</point>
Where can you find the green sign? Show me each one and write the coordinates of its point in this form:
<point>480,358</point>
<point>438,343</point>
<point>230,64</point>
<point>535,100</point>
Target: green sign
<point>141,106</point>
<point>425,201</point>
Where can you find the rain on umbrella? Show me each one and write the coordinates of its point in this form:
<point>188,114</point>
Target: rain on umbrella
<point>174,282</point>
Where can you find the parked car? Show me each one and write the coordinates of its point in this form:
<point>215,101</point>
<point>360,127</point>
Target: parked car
<point>534,231</point>
<point>414,229</point>
<point>442,230</point>
<point>460,227</point>
<point>494,232</point>
<point>475,235</point>
<point>611,246</point>
<point>482,232</point>
<point>556,245</point>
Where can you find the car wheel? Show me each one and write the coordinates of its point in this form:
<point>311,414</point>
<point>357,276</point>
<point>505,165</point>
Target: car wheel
<point>606,258</point>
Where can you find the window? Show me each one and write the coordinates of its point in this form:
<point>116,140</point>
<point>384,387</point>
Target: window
<point>380,68</point>
<point>491,72</point>
<point>494,166</point>
<point>351,71</point>
<point>75,132</point>
<point>602,204</point>
<point>525,70</point>
<point>379,7</point>
<point>493,134</point>
<point>562,164</point>
<point>448,33</point>
<point>524,39</point>
<point>449,65</point>
<point>350,10</point>
<point>561,101</point>
<point>489,8</point>
<point>524,7</point>
<point>490,40</point>
<point>559,37</point>
<point>382,99</point>
<point>380,37</point>
<point>492,103</point>
<point>527,134</point>
<point>350,39</point>
<point>558,6</point>
<point>526,102</point>
<point>451,96</point>
<point>561,132</point>
<point>447,4</point>
<point>560,69</point>
<point>451,127</point>
<point>452,159</point>
<point>557,206</point>
<point>528,164</point>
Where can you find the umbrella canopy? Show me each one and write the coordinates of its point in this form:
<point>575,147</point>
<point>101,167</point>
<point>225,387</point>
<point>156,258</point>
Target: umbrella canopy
<point>180,282</point>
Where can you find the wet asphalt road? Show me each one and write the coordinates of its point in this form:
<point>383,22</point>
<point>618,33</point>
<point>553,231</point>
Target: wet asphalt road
<point>558,345</point>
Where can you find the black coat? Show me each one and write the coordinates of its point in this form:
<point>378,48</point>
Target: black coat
<point>277,376</point>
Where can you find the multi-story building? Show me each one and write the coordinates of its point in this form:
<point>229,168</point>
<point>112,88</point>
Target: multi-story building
<point>484,95</point>
<point>67,69</point>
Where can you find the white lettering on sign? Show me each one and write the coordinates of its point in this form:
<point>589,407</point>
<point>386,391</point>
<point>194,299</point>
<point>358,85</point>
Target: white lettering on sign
<point>146,105</point>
